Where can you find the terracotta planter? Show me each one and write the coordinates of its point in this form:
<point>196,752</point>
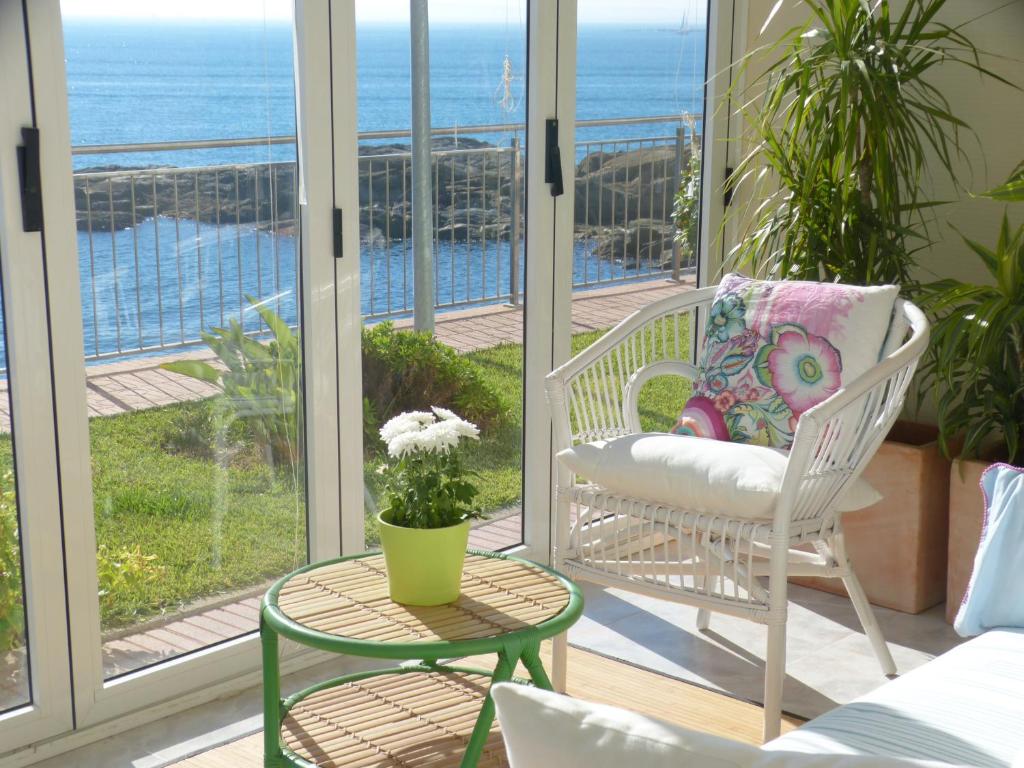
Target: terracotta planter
<point>966,509</point>
<point>898,546</point>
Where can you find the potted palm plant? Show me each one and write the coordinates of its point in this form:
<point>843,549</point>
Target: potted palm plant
<point>975,365</point>
<point>846,123</point>
<point>427,506</point>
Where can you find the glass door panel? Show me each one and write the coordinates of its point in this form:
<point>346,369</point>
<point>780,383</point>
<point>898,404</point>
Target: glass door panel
<point>640,77</point>
<point>185,180</point>
<point>15,690</point>
<point>472,360</point>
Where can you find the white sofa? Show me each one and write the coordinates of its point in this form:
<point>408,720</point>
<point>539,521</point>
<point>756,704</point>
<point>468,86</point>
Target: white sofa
<point>964,708</point>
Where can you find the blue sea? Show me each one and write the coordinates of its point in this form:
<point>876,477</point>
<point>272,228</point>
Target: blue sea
<point>135,82</point>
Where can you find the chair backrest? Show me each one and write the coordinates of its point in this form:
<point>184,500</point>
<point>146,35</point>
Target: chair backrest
<point>836,439</point>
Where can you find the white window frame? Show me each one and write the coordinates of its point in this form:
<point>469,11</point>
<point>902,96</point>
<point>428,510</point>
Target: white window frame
<point>97,700</point>
<point>326,94</point>
<point>24,261</point>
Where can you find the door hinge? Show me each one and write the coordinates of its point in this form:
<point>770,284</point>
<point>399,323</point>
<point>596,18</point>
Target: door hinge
<point>727,197</point>
<point>31,182</point>
<point>553,158</point>
<point>338,243</point>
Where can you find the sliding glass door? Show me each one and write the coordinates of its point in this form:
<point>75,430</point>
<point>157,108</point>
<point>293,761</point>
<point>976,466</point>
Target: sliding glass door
<point>184,406</point>
<point>234,285</point>
<point>454,340</point>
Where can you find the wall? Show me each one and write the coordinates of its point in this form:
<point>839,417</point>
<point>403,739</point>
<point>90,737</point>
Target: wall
<point>995,112</point>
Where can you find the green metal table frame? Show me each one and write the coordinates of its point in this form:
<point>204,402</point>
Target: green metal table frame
<point>511,648</point>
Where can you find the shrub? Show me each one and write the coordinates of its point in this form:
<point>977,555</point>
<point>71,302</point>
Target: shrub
<point>260,383</point>
<point>12,615</point>
<point>411,371</point>
<point>121,573</point>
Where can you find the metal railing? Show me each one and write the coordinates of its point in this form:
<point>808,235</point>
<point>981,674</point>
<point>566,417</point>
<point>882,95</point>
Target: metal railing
<point>165,253</point>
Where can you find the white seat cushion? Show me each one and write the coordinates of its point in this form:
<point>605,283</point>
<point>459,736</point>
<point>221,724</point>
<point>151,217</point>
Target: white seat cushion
<point>542,729</point>
<point>734,479</point>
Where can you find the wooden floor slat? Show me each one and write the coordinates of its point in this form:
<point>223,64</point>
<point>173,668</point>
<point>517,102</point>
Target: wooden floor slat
<point>594,678</point>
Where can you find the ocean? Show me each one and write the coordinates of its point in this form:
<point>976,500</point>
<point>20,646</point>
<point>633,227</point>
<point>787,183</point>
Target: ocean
<point>138,82</point>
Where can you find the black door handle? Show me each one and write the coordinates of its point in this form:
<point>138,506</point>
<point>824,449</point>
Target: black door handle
<point>31,181</point>
<point>553,158</point>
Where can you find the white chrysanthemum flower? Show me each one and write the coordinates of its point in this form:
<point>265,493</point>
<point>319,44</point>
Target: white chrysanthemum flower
<point>410,421</point>
<point>439,437</point>
<point>403,443</point>
<point>444,414</point>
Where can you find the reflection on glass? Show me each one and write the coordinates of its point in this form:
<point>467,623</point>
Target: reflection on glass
<point>473,364</point>
<point>14,682</point>
<point>639,123</point>
<point>189,284</point>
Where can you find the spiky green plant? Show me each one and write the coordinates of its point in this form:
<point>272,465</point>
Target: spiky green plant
<point>845,124</point>
<point>975,362</point>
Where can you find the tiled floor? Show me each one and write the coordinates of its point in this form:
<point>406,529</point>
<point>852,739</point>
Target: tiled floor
<point>829,661</point>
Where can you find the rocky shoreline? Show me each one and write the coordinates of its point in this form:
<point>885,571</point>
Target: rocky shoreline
<point>623,199</point>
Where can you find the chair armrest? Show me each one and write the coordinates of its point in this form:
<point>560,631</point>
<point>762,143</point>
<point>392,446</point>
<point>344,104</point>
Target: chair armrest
<point>837,438</point>
<point>587,395</point>
<point>631,393</point>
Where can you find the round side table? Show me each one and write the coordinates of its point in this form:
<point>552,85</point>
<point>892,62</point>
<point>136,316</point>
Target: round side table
<point>425,708</point>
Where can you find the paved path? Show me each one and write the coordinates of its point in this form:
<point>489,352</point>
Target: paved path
<point>137,384</point>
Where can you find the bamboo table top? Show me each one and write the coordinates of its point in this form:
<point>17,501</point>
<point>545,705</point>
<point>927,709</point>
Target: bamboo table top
<point>348,599</point>
<point>393,721</point>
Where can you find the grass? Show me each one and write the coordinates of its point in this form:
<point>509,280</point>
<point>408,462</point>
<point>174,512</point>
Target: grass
<point>216,525</point>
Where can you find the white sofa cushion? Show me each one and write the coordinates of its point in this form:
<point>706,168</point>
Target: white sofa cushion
<point>545,730</point>
<point>734,479</point>
<point>966,706</point>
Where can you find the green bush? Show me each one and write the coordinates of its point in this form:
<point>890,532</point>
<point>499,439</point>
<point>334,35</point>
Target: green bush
<point>12,614</point>
<point>260,383</point>
<point>411,371</point>
<point>122,575</point>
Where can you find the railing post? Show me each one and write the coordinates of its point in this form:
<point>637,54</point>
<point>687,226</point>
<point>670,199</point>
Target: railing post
<point>677,179</point>
<point>516,229</point>
<point>422,195</point>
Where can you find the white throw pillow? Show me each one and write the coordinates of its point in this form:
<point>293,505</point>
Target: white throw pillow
<point>734,479</point>
<point>546,730</point>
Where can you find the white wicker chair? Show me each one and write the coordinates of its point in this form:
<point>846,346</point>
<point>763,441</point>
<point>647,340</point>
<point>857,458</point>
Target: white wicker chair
<point>715,562</point>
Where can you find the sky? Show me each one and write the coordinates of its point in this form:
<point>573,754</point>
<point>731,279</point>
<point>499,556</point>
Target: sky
<point>441,11</point>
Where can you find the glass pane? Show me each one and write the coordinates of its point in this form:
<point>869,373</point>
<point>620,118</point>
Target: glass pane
<point>639,123</point>
<point>188,258</point>
<point>15,690</point>
<point>472,364</point>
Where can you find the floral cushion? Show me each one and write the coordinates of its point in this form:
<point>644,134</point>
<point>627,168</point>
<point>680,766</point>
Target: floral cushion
<point>773,350</point>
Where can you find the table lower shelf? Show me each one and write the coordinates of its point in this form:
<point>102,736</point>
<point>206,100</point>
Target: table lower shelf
<point>412,719</point>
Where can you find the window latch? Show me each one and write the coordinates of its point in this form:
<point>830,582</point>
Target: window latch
<point>31,181</point>
<point>553,158</point>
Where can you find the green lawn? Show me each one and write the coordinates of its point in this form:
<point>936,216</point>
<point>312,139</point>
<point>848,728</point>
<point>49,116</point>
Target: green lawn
<point>221,524</point>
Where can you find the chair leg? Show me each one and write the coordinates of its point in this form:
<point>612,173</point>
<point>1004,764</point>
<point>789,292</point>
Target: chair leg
<point>703,619</point>
<point>559,661</point>
<point>870,623</point>
<point>774,676</point>
<point>865,613</point>
<point>703,614</point>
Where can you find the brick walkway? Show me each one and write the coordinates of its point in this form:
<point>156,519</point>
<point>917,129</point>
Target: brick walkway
<point>137,384</point>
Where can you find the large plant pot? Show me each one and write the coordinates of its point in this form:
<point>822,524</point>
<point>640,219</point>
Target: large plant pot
<point>424,565</point>
<point>966,510</point>
<point>898,546</point>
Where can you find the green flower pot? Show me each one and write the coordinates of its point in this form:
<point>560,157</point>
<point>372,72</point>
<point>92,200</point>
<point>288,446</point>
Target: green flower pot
<point>424,564</point>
